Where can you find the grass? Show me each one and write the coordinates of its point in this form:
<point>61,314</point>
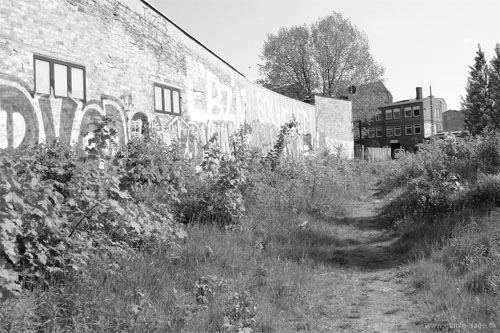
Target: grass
<point>256,275</point>
<point>455,267</point>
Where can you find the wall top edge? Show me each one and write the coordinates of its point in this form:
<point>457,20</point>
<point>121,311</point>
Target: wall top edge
<point>159,12</point>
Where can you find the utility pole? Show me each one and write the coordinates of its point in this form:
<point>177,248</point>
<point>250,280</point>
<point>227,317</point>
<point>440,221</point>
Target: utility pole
<point>432,112</point>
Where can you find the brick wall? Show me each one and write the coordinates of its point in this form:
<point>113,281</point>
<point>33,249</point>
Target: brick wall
<point>453,121</point>
<point>126,47</point>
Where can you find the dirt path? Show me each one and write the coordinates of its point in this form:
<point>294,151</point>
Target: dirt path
<point>366,291</point>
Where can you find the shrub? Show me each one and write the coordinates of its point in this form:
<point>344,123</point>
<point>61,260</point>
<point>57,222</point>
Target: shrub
<point>214,193</point>
<point>59,206</point>
<point>444,176</point>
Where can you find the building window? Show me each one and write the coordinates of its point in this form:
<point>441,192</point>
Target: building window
<point>397,130</point>
<point>408,130</point>
<point>388,114</point>
<point>396,113</point>
<point>378,115</point>
<point>416,111</point>
<point>408,113</point>
<point>371,132</point>
<point>417,129</point>
<point>389,132</point>
<point>167,99</point>
<point>379,132</point>
<point>59,78</point>
<point>437,113</point>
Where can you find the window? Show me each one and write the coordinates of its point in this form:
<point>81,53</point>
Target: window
<point>378,115</point>
<point>437,113</point>
<point>396,113</point>
<point>417,129</point>
<point>388,114</point>
<point>167,99</point>
<point>397,130</point>
<point>408,112</point>
<point>416,111</point>
<point>59,78</point>
<point>371,132</point>
<point>389,132</point>
<point>379,132</point>
<point>408,130</point>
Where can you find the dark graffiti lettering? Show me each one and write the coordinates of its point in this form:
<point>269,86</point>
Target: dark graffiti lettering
<point>154,21</point>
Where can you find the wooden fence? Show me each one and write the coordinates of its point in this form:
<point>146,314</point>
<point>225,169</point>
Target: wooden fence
<point>373,154</point>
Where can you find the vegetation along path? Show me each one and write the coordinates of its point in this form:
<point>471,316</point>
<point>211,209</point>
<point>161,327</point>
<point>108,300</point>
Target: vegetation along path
<point>370,292</point>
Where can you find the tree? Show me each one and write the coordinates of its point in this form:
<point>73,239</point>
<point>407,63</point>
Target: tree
<point>494,91</point>
<point>326,58</point>
<point>367,99</point>
<point>476,104</point>
<point>289,62</point>
<point>342,55</point>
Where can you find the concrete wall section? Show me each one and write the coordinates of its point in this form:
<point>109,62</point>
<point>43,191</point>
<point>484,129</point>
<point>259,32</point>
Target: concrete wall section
<point>267,111</point>
<point>334,125</point>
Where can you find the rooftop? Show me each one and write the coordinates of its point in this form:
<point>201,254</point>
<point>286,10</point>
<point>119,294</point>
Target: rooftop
<point>410,101</point>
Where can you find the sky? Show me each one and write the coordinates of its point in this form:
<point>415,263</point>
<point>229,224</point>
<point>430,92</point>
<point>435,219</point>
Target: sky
<point>420,43</point>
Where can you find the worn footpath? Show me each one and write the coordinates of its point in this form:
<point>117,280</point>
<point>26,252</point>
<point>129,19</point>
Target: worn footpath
<point>366,288</point>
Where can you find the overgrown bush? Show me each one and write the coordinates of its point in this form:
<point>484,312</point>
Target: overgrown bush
<point>447,204</point>
<point>446,175</point>
<point>214,190</point>
<point>318,184</point>
<point>94,235</point>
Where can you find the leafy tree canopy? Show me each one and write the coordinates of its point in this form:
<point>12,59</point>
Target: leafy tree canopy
<point>325,57</point>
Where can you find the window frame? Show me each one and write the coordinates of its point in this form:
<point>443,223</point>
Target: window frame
<point>387,114</point>
<point>52,82</point>
<point>398,113</point>
<point>406,112</point>
<point>415,129</point>
<point>414,108</point>
<point>379,130</point>
<point>391,129</point>
<point>371,132</point>
<point>171,89</point>
<point>398,128</point>
<point>378,116</point>
<point>408,127</point>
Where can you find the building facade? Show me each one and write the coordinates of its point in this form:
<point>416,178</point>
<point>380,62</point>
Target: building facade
<point>64,63</point>
<point>405,124</point>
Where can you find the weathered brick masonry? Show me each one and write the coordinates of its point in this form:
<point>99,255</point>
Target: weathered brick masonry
<point>126,48</point>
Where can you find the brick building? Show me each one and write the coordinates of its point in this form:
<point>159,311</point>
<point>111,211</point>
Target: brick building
<point>65,62</point>
<point>405,124</point>
<point>453,121</point>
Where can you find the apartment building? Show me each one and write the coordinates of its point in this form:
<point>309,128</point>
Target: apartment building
<point>405,124</point>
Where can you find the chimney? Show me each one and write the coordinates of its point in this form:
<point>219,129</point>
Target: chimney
<point>419,92</point>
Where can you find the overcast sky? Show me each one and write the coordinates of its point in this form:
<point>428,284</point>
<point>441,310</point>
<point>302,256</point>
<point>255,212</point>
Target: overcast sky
<point>419,42</point>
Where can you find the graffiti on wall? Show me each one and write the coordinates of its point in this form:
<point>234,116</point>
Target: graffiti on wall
<point>154,21</point>
<point>215,106</point>
<point>221,104</point>
<point>26,119</point>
